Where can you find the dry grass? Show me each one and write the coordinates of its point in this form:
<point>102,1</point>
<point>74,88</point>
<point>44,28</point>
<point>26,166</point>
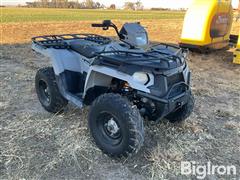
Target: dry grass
<point>37,145</point>
<point>23,32</point>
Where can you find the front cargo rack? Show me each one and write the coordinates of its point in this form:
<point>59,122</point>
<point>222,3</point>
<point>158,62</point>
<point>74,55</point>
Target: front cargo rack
<point>60,41</point>
<point>148,59</point>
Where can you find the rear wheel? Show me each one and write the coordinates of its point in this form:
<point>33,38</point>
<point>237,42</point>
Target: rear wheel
<point>116,125</point>
<point>48,92</point>
<point>182,113</point>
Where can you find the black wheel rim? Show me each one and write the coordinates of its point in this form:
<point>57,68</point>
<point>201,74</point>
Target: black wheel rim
<point>109,128</point>
<point>44,93</point>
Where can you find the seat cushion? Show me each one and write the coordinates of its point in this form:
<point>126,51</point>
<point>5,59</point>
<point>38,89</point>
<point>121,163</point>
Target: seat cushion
<point>86,48</point>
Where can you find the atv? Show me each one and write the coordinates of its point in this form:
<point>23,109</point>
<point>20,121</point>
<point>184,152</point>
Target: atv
<point>124,80</point>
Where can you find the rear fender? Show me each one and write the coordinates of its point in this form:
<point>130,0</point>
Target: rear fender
<point>64,59</point>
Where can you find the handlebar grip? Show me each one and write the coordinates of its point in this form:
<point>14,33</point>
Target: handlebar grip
<point>98,25</point>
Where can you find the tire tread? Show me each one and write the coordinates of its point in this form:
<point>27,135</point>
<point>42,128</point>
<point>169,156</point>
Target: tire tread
<point>58,102</point>
<point>135,122</point>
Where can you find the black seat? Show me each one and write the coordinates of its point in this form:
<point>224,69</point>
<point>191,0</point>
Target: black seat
<point>86,48</point>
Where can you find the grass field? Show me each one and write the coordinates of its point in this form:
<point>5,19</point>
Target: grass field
<point>42,15</point>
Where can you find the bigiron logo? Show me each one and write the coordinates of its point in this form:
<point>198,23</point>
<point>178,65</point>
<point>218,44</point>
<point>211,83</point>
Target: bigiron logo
<point>202,171</point>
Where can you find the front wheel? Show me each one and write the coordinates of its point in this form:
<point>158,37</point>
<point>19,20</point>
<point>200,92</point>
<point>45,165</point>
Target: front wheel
<point>116,125</point>
<point>182,113</point>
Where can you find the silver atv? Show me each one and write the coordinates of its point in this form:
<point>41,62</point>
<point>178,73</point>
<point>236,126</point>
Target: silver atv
<point>124,81</point>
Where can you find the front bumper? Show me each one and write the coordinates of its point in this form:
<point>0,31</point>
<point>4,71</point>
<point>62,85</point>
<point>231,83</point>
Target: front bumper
<point>169,104</point>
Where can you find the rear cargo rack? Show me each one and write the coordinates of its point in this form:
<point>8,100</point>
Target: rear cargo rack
<point>60,41</point>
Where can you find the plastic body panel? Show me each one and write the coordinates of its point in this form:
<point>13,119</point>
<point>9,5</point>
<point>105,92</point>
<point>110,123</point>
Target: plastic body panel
<point>207,23</point>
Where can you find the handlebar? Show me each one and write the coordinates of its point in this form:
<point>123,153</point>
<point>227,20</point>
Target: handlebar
<point>98,25</point>
<point>106,25</point>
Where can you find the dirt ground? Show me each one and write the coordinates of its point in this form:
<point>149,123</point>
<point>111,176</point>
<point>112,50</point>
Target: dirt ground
<point>35,144</point>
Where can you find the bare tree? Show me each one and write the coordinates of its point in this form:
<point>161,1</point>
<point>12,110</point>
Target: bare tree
<point>89,4</point>
<point>73,5</point>
<point>44,3</point>
<point>62,3</point>
<point>97,5</point>
<point>54,3</point>
<point>138,5</point>
<point>129,6</point>
<point>133,6</point>
<point>112,6</point>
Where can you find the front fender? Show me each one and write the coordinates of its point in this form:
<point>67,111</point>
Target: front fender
<point>102,76</point>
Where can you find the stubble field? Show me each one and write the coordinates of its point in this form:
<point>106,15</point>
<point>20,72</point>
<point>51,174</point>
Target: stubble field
<point>35,144</point>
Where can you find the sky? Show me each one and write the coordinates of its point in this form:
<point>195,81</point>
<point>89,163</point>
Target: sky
<point>147,3</point>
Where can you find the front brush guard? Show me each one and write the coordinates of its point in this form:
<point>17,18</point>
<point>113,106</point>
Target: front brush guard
<point>169,104</point>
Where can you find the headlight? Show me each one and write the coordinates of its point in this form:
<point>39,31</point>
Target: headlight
<point>141,77</point>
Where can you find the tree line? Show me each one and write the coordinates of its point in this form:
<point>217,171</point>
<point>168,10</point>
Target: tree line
<point>86,4</point>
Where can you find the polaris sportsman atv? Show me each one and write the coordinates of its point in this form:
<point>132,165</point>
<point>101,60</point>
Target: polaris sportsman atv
<point>123,80</point>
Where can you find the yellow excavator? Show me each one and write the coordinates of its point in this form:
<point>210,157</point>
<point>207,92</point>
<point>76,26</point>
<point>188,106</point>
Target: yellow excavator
<point>207,26</point>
